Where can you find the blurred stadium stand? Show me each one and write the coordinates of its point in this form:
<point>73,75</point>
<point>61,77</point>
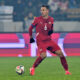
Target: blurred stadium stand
<point>20,14</point>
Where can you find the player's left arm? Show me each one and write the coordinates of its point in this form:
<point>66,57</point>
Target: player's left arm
<point>51,30</point>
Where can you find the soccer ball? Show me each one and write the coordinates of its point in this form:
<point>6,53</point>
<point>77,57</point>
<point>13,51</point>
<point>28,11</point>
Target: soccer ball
<point>20,70</point>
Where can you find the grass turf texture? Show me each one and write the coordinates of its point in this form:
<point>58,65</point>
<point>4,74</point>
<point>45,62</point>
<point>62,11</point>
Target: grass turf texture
<point>49,69</point>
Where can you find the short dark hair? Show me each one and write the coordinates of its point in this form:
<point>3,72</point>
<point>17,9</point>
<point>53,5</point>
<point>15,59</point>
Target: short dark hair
<point>47,6</point>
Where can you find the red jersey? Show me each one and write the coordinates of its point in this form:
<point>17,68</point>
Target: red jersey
<point>42,28</point>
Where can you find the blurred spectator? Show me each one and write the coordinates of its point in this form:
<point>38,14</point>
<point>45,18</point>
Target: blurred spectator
<point>31,8</point>
<point>19,11</point>
<point>73,4</point>
<point>30,4</point>
<point>2,3</point>
<point>63,5</point>
<point>30,15</point>
<point>25,27</point>
<point>54,5</point>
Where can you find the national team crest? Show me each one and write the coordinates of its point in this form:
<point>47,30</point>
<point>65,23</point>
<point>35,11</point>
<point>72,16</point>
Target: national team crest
<point>49,22</point>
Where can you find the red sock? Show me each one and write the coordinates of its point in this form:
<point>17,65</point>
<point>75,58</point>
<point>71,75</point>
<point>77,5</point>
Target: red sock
<point>37,62</point>
<point>64,63</point>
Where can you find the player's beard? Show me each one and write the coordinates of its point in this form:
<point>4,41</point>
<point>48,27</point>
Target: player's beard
<point>45,16</point>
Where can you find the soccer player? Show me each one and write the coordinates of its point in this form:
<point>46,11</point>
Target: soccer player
<point>44,29</point>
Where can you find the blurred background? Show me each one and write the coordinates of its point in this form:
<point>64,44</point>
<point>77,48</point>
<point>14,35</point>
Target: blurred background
<point>15,49</point>
<point>17,15</point>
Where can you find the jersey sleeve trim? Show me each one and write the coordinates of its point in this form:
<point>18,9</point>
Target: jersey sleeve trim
<point>33,25</point>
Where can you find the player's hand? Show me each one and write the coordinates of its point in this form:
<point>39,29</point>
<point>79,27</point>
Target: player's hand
<point>32,40</point>
<point>50,32</point>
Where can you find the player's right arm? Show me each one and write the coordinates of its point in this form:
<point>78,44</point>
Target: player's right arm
<point>33,25</point>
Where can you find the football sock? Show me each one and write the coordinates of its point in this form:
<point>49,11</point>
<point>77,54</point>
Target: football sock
<point>64,63</point>
<point>38,61</point>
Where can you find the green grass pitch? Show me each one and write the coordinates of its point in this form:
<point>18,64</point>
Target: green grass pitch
<point>49,69</point>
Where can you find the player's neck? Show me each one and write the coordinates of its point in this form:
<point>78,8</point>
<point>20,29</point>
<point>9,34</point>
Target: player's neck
<point>45,17</point>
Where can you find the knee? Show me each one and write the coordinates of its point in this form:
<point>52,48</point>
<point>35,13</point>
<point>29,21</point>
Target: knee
<point>59,53</point>
<point>43,55</point>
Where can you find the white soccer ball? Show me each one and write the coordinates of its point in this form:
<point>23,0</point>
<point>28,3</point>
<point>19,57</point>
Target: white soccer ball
<point>20,70</point>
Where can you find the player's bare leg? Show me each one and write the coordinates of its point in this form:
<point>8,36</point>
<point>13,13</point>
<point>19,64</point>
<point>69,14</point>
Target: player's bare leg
<point>37,62</point>
<point>63,61</point>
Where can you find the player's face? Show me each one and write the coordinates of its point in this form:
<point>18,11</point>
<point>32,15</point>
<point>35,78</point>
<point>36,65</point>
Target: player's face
<point>44,11</point>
